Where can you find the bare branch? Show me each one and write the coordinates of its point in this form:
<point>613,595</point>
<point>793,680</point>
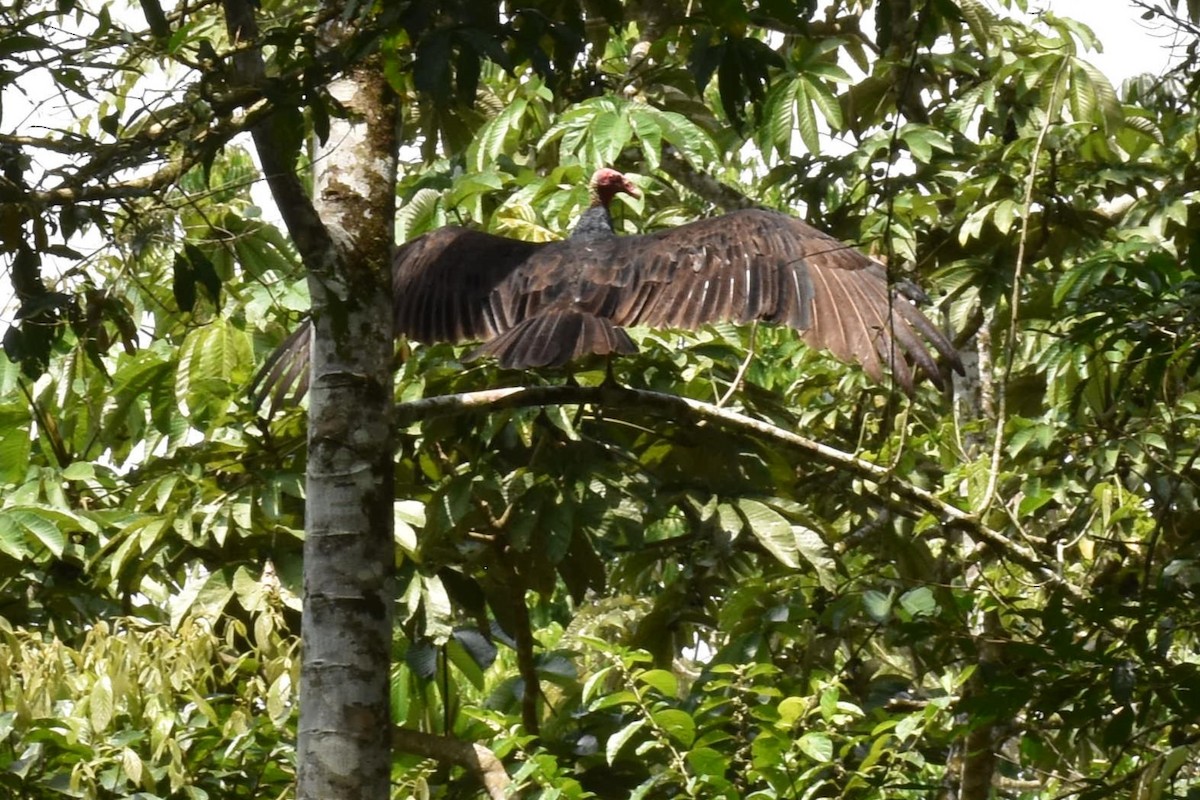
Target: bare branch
<point>890,486</point>
<point>472,756</point>
<point>705,186</point>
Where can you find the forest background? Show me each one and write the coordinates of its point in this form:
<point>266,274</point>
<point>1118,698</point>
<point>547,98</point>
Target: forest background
<point>756,573</point>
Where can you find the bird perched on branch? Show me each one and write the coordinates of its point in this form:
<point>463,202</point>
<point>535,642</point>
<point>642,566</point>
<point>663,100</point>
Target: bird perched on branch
<point>544,304</point>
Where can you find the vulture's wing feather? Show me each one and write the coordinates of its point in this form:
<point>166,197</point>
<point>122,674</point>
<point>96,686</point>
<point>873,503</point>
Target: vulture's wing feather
<point>444,289</point>
<point>456,284</point>
<point>285,371</point>
<point>544,304</point>
<point>748,265</point>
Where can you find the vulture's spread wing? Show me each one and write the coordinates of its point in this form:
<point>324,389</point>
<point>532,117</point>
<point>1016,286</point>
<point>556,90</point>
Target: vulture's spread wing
<point>744,266</point>
<point>456,285</point>
<point>442,285</point>
<point>537,305</point>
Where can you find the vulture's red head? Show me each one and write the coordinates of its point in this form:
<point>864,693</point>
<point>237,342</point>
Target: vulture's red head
<point>607,184</point>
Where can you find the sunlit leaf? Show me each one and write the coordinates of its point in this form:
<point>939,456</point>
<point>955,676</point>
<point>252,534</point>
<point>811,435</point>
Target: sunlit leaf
<point>619,739</point>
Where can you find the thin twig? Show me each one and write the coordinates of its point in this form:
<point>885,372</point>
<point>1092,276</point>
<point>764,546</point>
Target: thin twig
<point>1010,340</point>
<point>741,373</point>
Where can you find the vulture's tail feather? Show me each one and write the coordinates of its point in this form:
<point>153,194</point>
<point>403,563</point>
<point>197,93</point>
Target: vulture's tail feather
<point>555,337</point>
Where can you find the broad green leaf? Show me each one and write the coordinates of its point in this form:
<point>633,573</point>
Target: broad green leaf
<point>817,746</point>
<point>100,704</point>
<point>593,684</point>
<point>15,443</point>
<point>1005,211</point>
<point>465,661</point>
<point>214,360</point>
<point>805,118</point>
<point>811,546</point>
<point>791,709</point>
<point>438,610</point>
<point>878,605</point>
<point>47,527</point>
<point>420,215</point>
<point>693,142</point>
<point>611,133</point>
<point>80,471</point>
<point>619,739</point>
<point>678,724</point>
<point>12,540</point>
<point>279,698</point>
<point>707,761</point>
<point>826,102</point>
<point>919,602</point>
<point>664,682</point>
<point>772,530</point>
<point>131,765</point>
<point>923,140</point>
<point>490,141</point>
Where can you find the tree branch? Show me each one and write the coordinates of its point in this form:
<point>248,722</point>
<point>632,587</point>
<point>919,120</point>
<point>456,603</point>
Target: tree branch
<point>475,757</point>
<point>705,186</point>
<point>891,486</point>
<point>189,121</point>
<point>312,239</point>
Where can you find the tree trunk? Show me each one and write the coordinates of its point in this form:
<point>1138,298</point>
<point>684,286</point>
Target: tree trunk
<point>343,749</point>
<point>345,239</point>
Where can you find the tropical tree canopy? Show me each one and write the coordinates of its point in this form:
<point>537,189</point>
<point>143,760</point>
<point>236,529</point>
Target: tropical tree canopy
<point>744,569</point>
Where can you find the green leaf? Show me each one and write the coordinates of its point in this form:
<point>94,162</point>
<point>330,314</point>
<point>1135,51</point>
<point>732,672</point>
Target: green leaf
<point>707,761</point>
<point>465,661</point>
<point>438,610</point>
<point>817,746</point>
<point>1111,116</point>
<point>12,540</point>
<point>664,682</point>
<point>213,363</point>
<point>100,704</point>
<point>692,141</point>
<point>594,684</point>
<point>878,605</point>
<point>80,471</point>
<point>811,546</point>
<point>791,709</point>
<point>611,133</point>
<point>419,215</point>
<point>492,138</point>
<point>806,118</point>
<point>619,739</point>
<point>1005,211</point>
<point>919,602</point>
<point>204,272</point>
<point>827,103</point>
<point>46,526</point>
<point>923,140</point>
<point>772,530</point>
<point>183,284</point>
<point>15,444</point>
<point>280,697</point>
<point>678,724</point>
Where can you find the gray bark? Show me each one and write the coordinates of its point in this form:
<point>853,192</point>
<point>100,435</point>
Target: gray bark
<point>343,748</point>
<point>345,239</point>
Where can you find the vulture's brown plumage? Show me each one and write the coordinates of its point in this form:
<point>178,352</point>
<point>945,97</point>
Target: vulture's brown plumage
<point>545,304</point>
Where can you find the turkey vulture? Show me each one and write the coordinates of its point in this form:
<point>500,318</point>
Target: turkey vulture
<point>543,304</point>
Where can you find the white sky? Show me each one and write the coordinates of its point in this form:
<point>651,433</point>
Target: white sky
<point>1132,46</point>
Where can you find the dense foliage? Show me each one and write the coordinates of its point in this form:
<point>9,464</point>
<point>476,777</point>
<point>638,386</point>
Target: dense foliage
<point>990,594</point>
